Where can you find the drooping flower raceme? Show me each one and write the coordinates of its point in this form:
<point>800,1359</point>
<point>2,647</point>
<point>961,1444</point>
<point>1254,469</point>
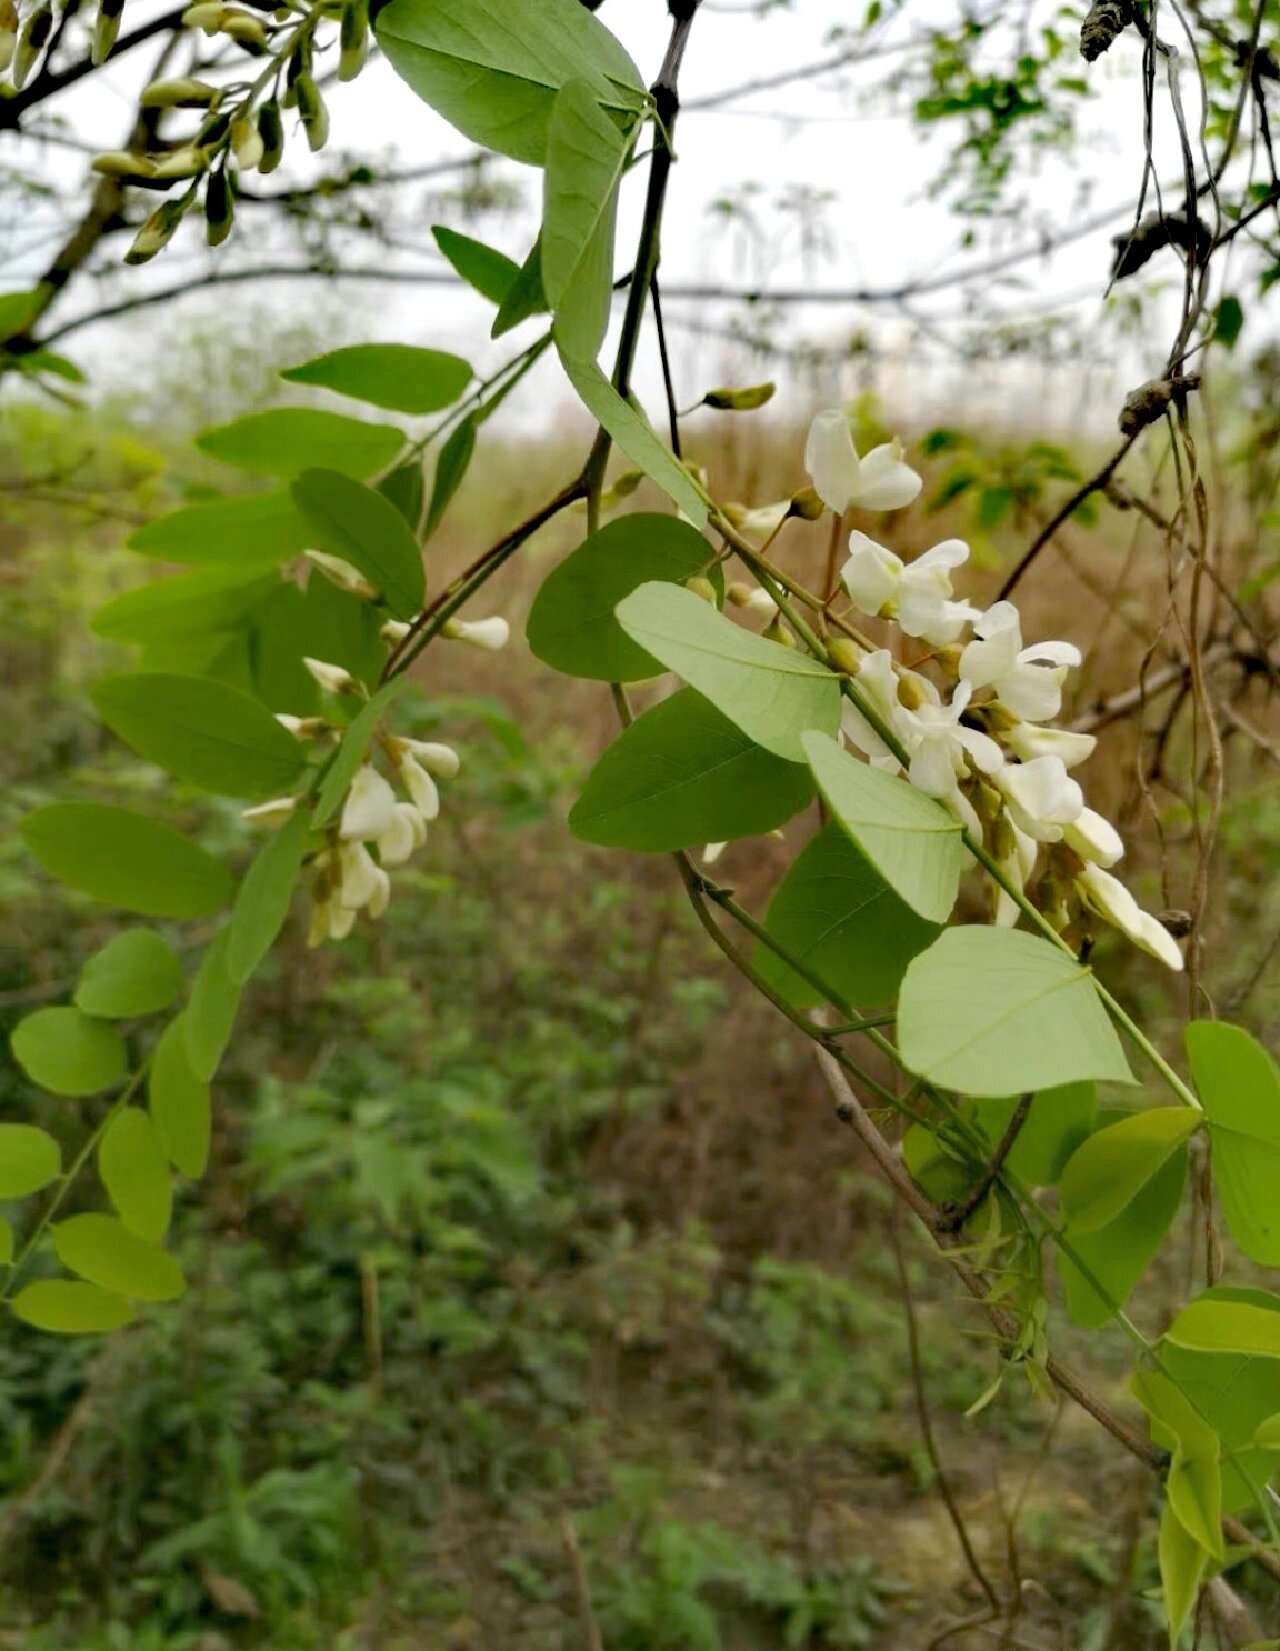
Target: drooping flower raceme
<point>880,481</point>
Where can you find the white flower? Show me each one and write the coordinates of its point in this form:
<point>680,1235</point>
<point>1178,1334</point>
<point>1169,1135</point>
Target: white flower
<point>276,812</point>
<point>764,521</point>
<point>360,878</point>
<point>1027,681</point>
<point>395,631</point>
<point>405,831</point>
<point>1094,838</point>
<point>332,678</point>
<point>880,481</point>
<point>342,574</point>
<point>1107,896</point>
<point>918,593</point>
<point>939,745</point>
<point>877,683</point>
<point>760,602</point>
<point>369,806</point>
<point>1025,740</point>
<point>1017,864</point>
<point>303,728</point>
<point>422,789</point>
<point>1041,797</point>
<point>489,634</point>
<point>434,757</point>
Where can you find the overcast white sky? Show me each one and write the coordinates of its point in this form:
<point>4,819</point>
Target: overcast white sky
<point>840,135</point>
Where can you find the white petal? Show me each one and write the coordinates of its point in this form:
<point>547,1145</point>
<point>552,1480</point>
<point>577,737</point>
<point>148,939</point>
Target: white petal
<point>369,807</point>
<point>434,757</point>
<point>832,460</point>
<point>276,812</point>
<point>490,634</point>
<point>884,481</point>
<point>395,631</point>
<point>1094,838</point>
<point>984,751</point>
<point>380,899</point>
<point>1051,653</point>
<point>1031,692</point>
<point>1042,797</point>
<point>1108,896</point>
<point>924,612</point>
<point>1153,937</point>
<point>1001,619</point>
<point>959,805</point>
<point>1025,740</point>
<point>342,574</point>
<point>358,876</point>
<point>996,654</point>
<point>941,561</point>
<point>762,523</point>
<point>871,575</point>
<point>712,852</point>
<point>760,602</point>
<point>422,789</point>
<point>933,767</point>
<point>342,919</point>
<point>332,678</point>
<point>401,835</point>
<point>863,737</point>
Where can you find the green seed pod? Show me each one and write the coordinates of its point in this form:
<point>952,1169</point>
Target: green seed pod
<point>219,208</point>
<point>178,94</point>
<point>246,141</point>
<point>120,163</point>
<point>158,230</point>
<point>311,110</point>
<point>740,401</point>
<point>32,40</point>
<point>353,40</point>
<point>106,26</point>
<point>271,131</point>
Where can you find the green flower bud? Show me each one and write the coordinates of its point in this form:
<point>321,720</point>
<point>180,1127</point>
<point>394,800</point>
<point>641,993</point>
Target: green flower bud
<point>119,163</point>
<point>158,230</point>
<point>219,208</point>
<point>778,632</point>
<point>353,40</point>
<point>845,654</point>
<point>206,15</point>
<point>8,33</point>
<point>246,30</point>
<point>32,40</point>
<point>298,65</point>
<point>807,505</point>
<point>311,110</point>
<point>271,131</point>
<point>702,586</point>
<point>246,141</point>
<point>740,401</point>
<point>186,162</point>
<point>178,94</point>
<point>106,26</point>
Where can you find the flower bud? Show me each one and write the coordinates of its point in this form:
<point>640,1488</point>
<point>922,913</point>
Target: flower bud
<point>312,112</point>
<point>434,757</point>
<point>807,505</point>
<point>342,574</point>
<point>332,678</point>
<point>369,806</point>
<point>219,209</point>
<point>271,131</point>
<point>119,163</point>
<point>157,232</point>
<point>246,30</point>
<point>246,141</point>
<point>303,728</point>
<point>32,40</point>
<point>404,832</point>
<point>845,654</point>
<point>422,789</point>
<point>206,15</point>
<point>489,634</point>
<point>178,94</point>
<point>910,693</point>
<point>701,586</point>
<point>353,40</point>
<point>778,632</point>
<point>740,401</point>
<point>394,632</point>
<point>274,813</point>
<point>106,26</point>
<point>187,162</point>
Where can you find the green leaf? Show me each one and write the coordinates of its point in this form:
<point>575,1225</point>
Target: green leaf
<point>203,604</point>
<point>338,627</point>
<point>180,1105</point>
<point>1228,322</point>
<point>492,67</point>
<point>135,973</point>
<point>834,913</point>
<point>483,267</point>
<point>909,838</point>
<point>6,1242</point>
<point>772,693</point>
<point>399,377</point>
<point>989,1011</point>
<point>1211,1324</point>
<point>405,487</point>
<point>1113,1165</point>
<point>1182,1568</point>
<point>351,753</point>
<point>633,435</point>
<point>288,440</point>
<point>572,625</point>
<point>134,1172</point>
<point>451,467</point>
<point>255,528</point>
<point>683,775</point>
<point>525,298</point>
<point>264,898</point>
<point>18,310</point>
<point>29,1160</point>
<point>202,731</point>
<point>211,1009</point>
<point>1235,1393</point>
<point>103,1250</point>
<point>1239,1084</point>
<point>1057,1121</point>
<point>65,1051</point>
<point>1267,1433</point>
<point>1194,1483</point>
<point>126,860</point>
<point>363,527</point>
<point>586,157</point>
<point>68,1307</point>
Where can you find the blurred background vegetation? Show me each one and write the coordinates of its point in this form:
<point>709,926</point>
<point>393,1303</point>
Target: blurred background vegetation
<point>538,1299</point>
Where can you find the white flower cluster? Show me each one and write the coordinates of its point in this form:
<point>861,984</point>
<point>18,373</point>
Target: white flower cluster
<point>982,750</point>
